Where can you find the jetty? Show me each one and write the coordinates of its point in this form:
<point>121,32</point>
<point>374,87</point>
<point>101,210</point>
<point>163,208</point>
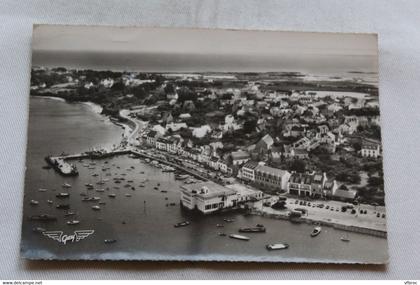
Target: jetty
<point>63,166</point>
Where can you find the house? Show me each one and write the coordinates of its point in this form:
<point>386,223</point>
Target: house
<point>272,178</point>
<point>213,163</point>
<point>317,185</point>
<point>161,143</point>
<point>323,129</point>
<point>300,184</point>
<point>303,143</point>
<point>290,152</point>
<point>370,149</point>
<point>223,166</point>
<point>276,153</point>
<point>173,144</point>
<point>343,193</point>
<point>330,187</point>
<point>264,144</point>
<point>239,157</point>
<point>248,171</point>
<point>151,138</point>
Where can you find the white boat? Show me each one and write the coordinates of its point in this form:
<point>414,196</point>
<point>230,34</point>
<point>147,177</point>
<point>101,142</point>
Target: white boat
<point>277,246</point>
<point>345,238</point>
<point>62,195</point>
<point>34,202</point>
<point>316,231</point>
<point>42,189</point>
<point>96,208</point>
<point>73,222</point>
<point>66,185</point>
<point>240,237</point>
<point>49,201</point>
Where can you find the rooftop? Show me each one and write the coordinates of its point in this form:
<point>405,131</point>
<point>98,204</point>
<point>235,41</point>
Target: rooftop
<point>251,164</point>
<point>208,190</point>
<point>270,170</point>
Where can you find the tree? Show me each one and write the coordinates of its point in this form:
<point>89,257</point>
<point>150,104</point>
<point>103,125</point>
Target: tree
<point>376,182</point>
<point>298,166</point>
<point>169,88</point>
<point>249,126</point>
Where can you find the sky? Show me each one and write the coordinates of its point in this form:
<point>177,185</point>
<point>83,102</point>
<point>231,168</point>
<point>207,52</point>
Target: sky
<point>182,50</point>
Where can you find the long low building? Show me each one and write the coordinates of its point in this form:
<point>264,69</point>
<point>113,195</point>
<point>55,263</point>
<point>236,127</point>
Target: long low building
<point>208,197</point>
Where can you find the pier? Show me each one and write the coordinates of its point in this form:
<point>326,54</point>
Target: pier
<point>62,165</point>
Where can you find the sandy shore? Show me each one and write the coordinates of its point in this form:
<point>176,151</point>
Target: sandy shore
<point>95,107</point>
<point>51,98</point>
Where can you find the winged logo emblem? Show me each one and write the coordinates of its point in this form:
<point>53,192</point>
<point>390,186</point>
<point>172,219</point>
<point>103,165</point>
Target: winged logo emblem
<point>64,238</point>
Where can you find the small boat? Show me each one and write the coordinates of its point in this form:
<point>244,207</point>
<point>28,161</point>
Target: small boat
<point>219,225</point>
<point>221,234</point>
<point>156,188</point>
<point>96,208</point>
<point>73,222</point>
<point>34,202</point>
<point>141,185</point>
<point>110,240</point>
<point>163,191</point>
<point>111,195</point>
<point>345,238</point>
<point>42,190</point>
<point>277,246</point>
<point>89,185</point>
<point>102,203</point>
<point>95,174</point>
<point>49,201</point>
<point>38,230</point>
<point>43,217</point>
<point>316,231</point>
<point>62,195</point>
<point>68,214</point>
<point>100,182</point>
<point>91,199</point>
<point>239,237</point>
<point>252,230</point>
<point>172,204</point>
<point>181,224</point>
<point>229,220</point>
<point>100,190</point>
<point>66,185</point>
<point>63,206</point>
<point>127,195</point>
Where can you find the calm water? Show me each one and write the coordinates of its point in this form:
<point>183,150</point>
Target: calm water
<point>147,231</point>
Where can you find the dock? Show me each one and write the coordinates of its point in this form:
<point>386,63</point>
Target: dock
<point>63,166</point>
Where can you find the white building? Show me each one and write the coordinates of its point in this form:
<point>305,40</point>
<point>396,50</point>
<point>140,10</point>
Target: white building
<point>370,149</point>
<point>208,197</point>
<point>248,171</point>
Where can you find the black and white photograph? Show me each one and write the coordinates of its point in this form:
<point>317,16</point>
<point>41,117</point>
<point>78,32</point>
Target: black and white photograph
<point>173,144</point>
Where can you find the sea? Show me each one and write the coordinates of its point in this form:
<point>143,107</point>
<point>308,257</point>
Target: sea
<point>141,219</point>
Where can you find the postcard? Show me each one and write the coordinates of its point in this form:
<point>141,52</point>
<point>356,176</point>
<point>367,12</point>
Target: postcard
<point>203,145</point>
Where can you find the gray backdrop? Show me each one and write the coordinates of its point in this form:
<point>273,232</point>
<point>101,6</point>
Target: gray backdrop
<point>397,23</point>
